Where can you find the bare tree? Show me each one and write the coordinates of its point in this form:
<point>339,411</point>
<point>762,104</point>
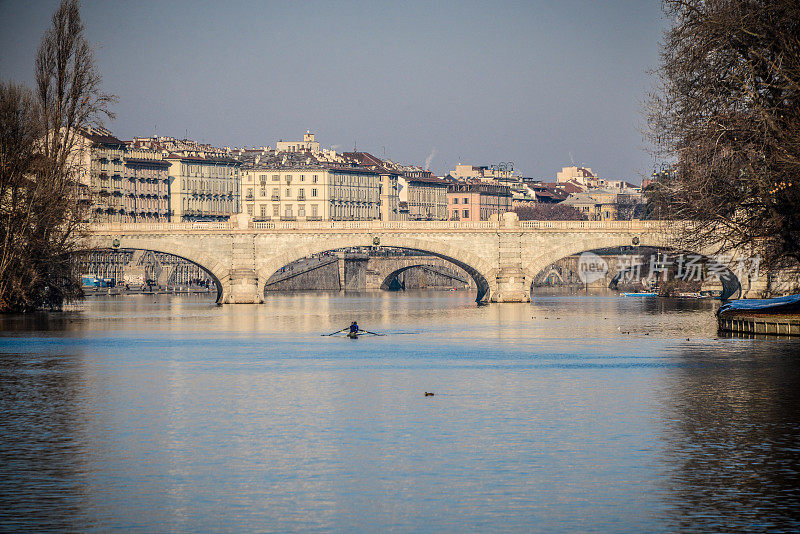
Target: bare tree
<point>726,112</point>
<point>39,200</point>
<point>549,212</point>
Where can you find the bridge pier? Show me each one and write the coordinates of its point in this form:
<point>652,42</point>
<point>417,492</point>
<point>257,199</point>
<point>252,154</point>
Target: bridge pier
<point>242,288</point>
<point>243,285</point>
<point>512,286</point>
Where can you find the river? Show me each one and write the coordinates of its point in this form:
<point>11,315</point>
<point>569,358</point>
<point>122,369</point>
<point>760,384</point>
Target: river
<point>575,413</point>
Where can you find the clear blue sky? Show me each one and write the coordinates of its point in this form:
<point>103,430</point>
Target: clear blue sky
<point>531,82</point>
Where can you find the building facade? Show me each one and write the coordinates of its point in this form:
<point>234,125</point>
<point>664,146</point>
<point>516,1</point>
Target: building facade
<point>484,173</point>
<point>427,198</point>
<point>389,188</point>
<point>477,201</point>
<point>310,193</point>
<point>308,144</point>
<point>146,197</point>
<point>606,204</point>
<point>120,183</point>
<point>204,186</point>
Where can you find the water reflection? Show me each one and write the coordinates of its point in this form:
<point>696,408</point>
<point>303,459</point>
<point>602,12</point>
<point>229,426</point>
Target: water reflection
<point>731,433</point>
<point>41,450</point>
<point>572,413</point>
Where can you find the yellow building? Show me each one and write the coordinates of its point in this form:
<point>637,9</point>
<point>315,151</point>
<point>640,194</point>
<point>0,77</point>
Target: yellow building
<point>120,183</point>
<point>203,186</point>
<point>314,192</point>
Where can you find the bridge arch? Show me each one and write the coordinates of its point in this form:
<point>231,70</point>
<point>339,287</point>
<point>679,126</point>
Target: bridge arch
<point>387,279</point>
<point>198,258</point>
<point>481,271</point>
<point>730,282</point>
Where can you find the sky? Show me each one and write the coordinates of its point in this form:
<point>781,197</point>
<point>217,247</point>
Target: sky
<point>541,84</point>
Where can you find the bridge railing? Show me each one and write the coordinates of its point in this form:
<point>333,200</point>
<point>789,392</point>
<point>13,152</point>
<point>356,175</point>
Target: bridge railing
<point>374,226</point>
<point>592,225</point>
<point>371,225</point>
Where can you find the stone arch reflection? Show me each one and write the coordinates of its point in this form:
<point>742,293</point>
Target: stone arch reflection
<point>140,268</point>
<point>640,268</point>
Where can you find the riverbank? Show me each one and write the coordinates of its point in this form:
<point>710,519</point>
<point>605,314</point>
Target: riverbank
<point>760,323</point>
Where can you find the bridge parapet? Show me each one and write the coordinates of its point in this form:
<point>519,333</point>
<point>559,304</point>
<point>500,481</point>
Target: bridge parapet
<point>378,226</point>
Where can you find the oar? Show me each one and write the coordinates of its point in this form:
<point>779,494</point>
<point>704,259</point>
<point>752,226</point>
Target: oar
<point>368,332</point>
<point>337,332</point>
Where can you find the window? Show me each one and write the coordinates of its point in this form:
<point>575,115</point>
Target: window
<point>276,210</point>
<point>275,177</point>
<point>302,177</point>
<point>302,194</point>
<point>263,210</point>
<point>313,192</point>
<point>289,210</point>
<point>455,200</point>
<point>301,210</point>
<point>249,209</point>
<point>466,200</point>
<point>466,214</point>
<point>263,179</point>
<point>288,192</point>
<point>249,192</point>
<point>314,210</point>
<point>275,194</point>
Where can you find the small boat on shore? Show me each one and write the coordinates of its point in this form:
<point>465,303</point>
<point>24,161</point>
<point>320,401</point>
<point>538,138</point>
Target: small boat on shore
<point>778,316</point>
<point>640,294</point>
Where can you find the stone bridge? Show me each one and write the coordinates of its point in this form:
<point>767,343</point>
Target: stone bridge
<point>503,257</point>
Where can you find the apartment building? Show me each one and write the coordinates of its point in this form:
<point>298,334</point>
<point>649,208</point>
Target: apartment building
<point>204,186</point>
<point>427,198</point>
<point>389,190</point>
<point>503,172</point>
<point>477,201</point>
<point>290,191</point>
<point>606,204</point>
<point>120,183</point>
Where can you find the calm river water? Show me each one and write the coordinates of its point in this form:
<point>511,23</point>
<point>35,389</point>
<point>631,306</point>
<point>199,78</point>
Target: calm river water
<point>569,414</point>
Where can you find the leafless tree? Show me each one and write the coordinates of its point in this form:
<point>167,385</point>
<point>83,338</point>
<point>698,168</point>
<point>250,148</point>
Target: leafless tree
<point>40,203</point>
<point>549,212</point>
<point>726,113</point>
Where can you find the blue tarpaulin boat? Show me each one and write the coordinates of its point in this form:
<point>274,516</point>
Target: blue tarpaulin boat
<point>790,304</point>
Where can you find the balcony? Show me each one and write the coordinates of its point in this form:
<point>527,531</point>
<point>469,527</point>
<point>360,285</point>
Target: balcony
<point>276,197</point>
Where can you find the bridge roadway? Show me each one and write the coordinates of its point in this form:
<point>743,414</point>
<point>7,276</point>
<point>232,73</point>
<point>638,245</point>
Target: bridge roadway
<point>503,257</point>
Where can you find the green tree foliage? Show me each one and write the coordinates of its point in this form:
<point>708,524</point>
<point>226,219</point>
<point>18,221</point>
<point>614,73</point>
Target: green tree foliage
<point>40,204</point>
<point>727,113</point>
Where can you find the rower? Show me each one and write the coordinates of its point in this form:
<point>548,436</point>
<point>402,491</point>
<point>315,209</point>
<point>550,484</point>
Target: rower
<point>354,328</point>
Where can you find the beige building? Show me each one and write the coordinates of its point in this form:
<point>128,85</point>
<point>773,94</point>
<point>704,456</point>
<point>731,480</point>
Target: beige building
<point>308,144</point>
<point>427,198</point>
<point>389,187</point>
<point>310,193</point>
<point>120,183</point>
<point>579,175</point>
<point>203,186</point>
<point>605,204</point>
<point>500,173</point>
